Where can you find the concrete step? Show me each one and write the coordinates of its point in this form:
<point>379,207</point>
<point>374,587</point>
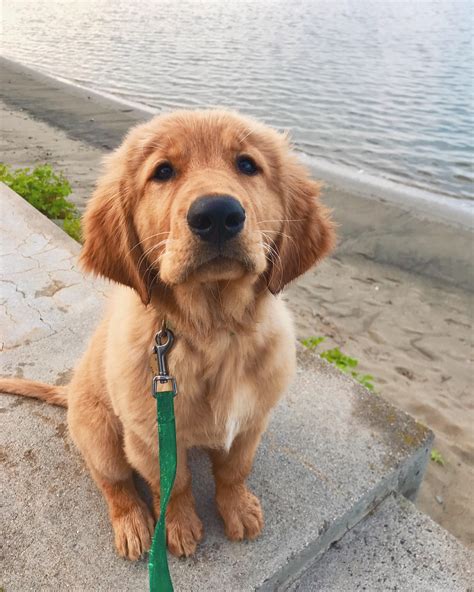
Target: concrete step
<point>332,453</point>
<point>395,549</point>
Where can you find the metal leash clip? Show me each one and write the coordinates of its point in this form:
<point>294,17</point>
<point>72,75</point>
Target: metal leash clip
<point>162,380</point>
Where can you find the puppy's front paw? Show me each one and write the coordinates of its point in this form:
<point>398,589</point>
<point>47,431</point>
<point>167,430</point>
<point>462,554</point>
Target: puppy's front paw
<point>133,531</point>
<point>183,526</point>
<point>241,512</point>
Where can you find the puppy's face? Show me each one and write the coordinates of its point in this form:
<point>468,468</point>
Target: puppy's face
<point>204,196</point>
<point>207,189</point>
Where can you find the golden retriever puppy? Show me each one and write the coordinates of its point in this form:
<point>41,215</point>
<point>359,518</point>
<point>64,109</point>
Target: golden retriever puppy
<point>201,217</point>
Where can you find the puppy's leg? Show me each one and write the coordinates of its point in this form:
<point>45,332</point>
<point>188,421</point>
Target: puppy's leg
<point>183,526</point>
<point>239,508</point>
<point>97,433</point>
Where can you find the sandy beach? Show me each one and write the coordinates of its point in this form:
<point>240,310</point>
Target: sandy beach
<point>412,332</point>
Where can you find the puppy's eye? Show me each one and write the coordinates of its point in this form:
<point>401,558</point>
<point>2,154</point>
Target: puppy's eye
<point>246,165</point>
<point>164,172</point>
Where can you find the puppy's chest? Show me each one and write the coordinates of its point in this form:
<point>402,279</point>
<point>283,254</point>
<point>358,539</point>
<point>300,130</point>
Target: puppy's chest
<point>240,413</point>
<point>228,397</point>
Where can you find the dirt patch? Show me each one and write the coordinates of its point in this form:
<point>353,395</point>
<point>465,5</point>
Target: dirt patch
<point>51,289</point>
<point>64,378</point>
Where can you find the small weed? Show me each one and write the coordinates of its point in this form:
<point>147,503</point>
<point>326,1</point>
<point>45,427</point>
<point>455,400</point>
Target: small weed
<point>46,191</point>
<point>345,363</point>
<point>366,380</point>
<point>312,342</point>
<point>437,457</point>
<point>336,357</point>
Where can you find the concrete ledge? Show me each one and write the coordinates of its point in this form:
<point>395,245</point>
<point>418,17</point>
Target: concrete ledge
<point>332,453</point>
<point>395,549</point>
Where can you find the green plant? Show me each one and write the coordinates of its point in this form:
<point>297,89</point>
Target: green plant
<point>336,357</point>
<point>437,457</point>
<point>312,342</point>
<point>345,363</point>
<point>46,191</point>
<point>72,225</point>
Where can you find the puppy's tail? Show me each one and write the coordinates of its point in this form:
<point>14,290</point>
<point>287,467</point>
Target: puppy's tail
<point>54,395</point>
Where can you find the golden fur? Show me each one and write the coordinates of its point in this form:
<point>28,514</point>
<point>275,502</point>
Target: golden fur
<point>234,351</point>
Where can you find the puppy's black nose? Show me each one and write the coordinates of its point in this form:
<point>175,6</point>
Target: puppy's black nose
<point>216,218</point>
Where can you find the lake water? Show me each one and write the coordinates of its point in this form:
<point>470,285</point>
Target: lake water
<point>381,86</point>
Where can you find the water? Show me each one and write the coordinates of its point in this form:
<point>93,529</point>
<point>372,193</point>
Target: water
<point>384,86</point>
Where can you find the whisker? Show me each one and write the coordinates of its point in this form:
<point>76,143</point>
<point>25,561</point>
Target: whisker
<point>246,136</point>
<point>275,259</point>
<point>277,232</point>
<point>155,262</point>
<point>147,238</point>
<point>151,249</point>
<point>162,254</point>
<point>264,230</point>
<point>296,249</point>
<point>283,220</point>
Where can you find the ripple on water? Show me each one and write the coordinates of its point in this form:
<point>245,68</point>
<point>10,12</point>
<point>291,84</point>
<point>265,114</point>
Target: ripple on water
<point>382,86</point>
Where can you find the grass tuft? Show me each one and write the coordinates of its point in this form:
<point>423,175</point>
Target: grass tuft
<point>345,363</point>
<point>437,457</point>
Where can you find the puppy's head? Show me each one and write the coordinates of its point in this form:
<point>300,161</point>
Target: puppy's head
<point>203,196</point>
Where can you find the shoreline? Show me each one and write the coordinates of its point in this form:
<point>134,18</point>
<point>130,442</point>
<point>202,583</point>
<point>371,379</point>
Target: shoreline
<point>376,221</point>
<point>452,210</point>
<point>447,208</point>
<point>408,329</point>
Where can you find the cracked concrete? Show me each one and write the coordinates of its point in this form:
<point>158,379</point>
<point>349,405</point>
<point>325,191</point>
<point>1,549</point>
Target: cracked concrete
<point>40,282</point>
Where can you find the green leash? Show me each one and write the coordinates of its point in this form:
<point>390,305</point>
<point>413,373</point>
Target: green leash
<point>164,391</point>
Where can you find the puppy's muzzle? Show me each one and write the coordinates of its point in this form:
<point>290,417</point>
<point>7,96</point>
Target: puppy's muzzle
<point>216,218</point>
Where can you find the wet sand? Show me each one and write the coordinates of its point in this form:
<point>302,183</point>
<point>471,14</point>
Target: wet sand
<point>411,331</point>
<point>26,142</point>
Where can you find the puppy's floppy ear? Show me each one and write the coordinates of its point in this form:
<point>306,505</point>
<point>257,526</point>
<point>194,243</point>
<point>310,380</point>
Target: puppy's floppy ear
<point>111,246</point>
<point>308,232</point>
